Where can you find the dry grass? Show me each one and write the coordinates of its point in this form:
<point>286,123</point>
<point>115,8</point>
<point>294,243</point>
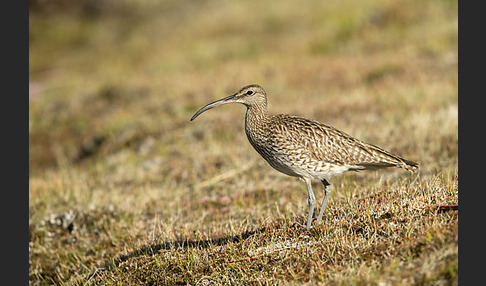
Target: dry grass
<point>124,190</point>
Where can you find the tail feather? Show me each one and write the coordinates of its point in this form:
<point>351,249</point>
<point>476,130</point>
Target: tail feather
<point>409,165</point>
<point>402,163</point>
<point>380,158</point>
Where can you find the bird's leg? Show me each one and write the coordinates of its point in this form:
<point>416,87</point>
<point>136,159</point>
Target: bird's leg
<point>312,202</point>
<point>327,194</point>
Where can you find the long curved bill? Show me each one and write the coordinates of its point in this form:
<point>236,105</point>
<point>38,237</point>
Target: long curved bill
<point>229,99</point>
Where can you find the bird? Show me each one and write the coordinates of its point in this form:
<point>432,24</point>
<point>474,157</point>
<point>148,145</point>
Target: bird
<point>305,148</point>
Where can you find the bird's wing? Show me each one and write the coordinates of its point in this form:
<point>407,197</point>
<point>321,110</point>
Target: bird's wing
<point>328,144</point>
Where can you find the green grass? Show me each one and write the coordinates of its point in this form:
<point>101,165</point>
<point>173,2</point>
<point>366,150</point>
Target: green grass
<point>124,190</point>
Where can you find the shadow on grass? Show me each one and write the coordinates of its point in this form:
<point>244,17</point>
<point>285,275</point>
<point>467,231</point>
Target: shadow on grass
<point>183,244</point>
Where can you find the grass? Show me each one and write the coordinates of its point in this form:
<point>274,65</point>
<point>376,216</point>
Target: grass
<point>124,190</point>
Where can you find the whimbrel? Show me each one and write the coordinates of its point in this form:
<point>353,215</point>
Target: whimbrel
<point>304,148</point>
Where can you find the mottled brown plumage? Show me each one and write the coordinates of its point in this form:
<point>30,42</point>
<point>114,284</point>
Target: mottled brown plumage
<point>305,148</point>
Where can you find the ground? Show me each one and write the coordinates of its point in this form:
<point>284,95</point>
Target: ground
<point>125,190</point>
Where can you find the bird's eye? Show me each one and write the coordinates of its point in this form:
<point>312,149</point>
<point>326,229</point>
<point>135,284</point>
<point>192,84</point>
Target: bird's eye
<point>250,92</point>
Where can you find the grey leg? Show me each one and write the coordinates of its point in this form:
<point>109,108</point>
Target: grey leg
<point>312,202</point>
<point>327,194</point>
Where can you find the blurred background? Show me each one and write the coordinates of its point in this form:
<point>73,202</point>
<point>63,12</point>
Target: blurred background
<point>107,74</point>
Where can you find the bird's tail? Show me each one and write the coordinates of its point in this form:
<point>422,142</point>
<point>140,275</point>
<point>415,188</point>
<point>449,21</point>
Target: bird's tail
<point>387,159</point>
<point>409,165</point>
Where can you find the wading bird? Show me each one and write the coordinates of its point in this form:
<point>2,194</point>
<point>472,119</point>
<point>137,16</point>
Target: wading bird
<point>304,148</point>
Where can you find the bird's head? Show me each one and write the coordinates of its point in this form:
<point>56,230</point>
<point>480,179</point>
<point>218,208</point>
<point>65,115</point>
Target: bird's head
<point>250,95</point>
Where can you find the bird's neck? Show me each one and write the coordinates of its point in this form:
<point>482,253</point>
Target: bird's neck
<point>256,120</point>
<point>257,114</point>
